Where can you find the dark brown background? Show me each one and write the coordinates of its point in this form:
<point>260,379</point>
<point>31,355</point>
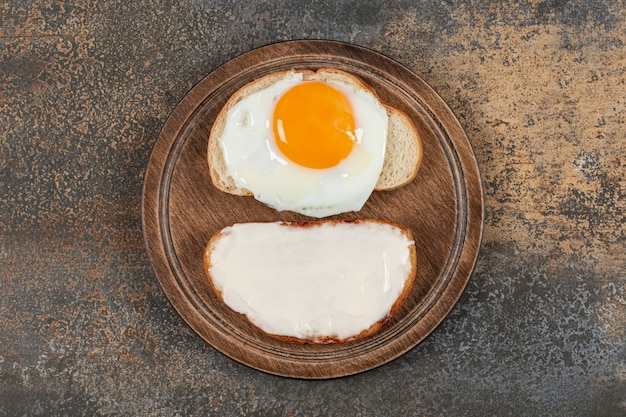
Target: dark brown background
<point>540,88</point>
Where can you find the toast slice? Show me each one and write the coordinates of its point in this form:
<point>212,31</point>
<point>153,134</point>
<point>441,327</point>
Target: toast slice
<point>278,303</point>
<point>403,153</point>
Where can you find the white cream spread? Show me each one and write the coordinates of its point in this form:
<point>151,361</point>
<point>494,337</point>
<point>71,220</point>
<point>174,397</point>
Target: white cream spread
<point>326,280</point>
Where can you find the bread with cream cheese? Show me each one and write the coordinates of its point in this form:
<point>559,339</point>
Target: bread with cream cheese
<point>409,262</point>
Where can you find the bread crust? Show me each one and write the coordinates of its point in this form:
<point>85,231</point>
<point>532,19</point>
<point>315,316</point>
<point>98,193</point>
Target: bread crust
<point>374,328</point>
<point>404,146</point>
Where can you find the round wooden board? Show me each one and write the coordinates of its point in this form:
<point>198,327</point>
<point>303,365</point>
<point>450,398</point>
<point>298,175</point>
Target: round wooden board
<point>443,207</point>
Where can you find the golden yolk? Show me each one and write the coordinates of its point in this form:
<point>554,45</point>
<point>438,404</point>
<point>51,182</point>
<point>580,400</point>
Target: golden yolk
<point>313,125</point>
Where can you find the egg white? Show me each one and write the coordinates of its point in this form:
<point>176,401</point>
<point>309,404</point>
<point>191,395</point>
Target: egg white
<point>255,163</point>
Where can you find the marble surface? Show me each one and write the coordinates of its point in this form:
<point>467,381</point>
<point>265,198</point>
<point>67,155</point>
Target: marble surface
<point>539,87</point>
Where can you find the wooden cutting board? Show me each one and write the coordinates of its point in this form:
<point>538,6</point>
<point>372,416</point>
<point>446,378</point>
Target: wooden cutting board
<point>443,207</point>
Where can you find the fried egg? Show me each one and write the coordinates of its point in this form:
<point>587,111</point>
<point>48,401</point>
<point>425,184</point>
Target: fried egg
<point>312,147</point>
<point>322,282</point>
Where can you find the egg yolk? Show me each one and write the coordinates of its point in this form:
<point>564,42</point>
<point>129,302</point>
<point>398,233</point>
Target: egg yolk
<point>313,125</point>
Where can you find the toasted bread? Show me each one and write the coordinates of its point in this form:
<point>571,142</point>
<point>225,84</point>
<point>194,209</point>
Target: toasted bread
<point>403,153</point>
<point>213,257</point>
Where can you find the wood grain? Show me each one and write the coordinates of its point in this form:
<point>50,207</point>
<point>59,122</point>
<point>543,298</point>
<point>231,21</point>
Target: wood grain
<point>443,207</point>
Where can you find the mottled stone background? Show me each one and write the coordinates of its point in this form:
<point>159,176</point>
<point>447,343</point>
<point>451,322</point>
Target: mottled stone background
<point>539,87</point>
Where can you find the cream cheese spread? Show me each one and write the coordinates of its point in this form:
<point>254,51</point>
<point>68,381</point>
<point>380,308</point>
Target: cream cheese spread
<point>310,282</point>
